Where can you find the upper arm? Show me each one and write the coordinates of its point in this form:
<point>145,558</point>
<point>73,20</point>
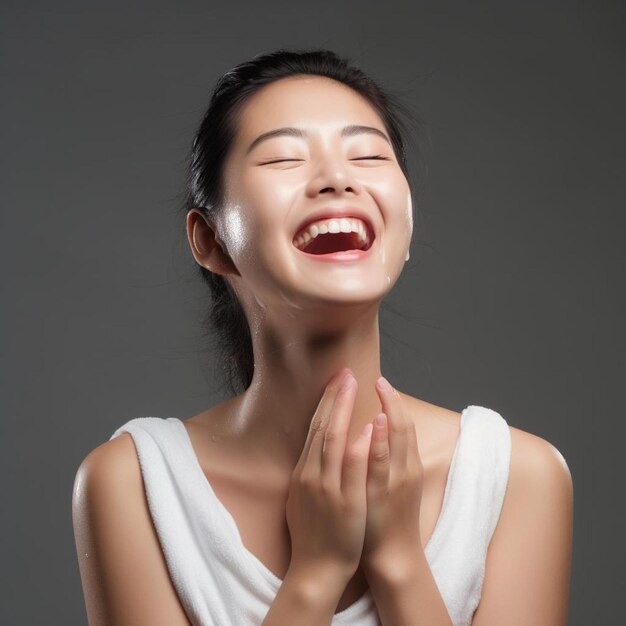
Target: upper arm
<point>124,575</point>
<point>527,573</point>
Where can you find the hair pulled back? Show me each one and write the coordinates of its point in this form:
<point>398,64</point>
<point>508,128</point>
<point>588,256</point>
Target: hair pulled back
<point>225,317</point>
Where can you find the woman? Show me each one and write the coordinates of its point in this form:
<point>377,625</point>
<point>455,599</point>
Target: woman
<point>289,503</point>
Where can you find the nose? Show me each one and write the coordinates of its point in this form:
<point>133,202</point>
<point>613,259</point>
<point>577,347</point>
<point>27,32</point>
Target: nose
<point>333,175</point>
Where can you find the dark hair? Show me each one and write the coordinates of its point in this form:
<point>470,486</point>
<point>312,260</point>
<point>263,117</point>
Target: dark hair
<point>225,317</point>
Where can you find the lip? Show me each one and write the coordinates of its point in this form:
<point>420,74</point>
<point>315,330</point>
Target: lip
<point>337,213</point>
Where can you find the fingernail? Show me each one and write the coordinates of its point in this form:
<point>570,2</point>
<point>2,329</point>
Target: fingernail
<point>384,383</point>
<point>380,420</point>
<point>346,381</point>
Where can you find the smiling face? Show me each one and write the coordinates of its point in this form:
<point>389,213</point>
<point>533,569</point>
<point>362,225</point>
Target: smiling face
<point>274,186</point>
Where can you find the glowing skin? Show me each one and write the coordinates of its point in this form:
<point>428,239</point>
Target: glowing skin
<point>307,318</point>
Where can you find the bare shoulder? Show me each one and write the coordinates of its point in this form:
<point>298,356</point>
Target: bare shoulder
<point>123,571</point>
<point>111,465</point>
<point>116,455</point>
<point>528,563</point>
<point>109,474</point>
<point>540,484</point>
<point>531,455</point>
<point>537,460</point>
<point>537,466</point>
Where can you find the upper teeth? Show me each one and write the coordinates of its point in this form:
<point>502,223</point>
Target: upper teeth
<point>342,225</point>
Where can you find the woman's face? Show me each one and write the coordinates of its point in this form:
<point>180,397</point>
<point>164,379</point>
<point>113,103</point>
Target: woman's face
<point>275,187</point>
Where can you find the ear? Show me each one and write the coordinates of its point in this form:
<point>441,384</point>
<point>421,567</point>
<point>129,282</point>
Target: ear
<point>206,247</point>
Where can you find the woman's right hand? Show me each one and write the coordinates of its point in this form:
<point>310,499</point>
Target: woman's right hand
<point>326,506</point>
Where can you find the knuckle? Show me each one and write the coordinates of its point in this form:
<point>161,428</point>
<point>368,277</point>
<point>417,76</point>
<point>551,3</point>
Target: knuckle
<point>317,424</point>
<point>381,457</point>
<point>353,457</point>
<point>327,486</point>
<point>331,436</point>
<point>305,480</point>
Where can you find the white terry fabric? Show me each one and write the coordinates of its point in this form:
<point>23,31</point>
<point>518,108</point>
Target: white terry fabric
<point>221,583</point>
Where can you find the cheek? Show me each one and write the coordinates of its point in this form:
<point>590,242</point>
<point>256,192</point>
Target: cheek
<point>394,197</point>
<point>236,231</point>
<point>243,216</point>
<point>254,238</point>
<point>408,201</point>
<point>262,209</point>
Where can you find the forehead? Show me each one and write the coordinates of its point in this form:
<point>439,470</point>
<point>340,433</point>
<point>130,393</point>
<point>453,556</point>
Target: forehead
<point>316,103</point>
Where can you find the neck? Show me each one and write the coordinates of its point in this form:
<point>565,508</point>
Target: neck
<point>293,365</point>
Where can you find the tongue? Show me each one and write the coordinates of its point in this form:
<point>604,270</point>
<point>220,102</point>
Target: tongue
<point>333,242</point>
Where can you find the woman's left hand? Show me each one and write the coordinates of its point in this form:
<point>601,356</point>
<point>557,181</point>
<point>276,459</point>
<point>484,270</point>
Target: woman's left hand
<point>394,488</point>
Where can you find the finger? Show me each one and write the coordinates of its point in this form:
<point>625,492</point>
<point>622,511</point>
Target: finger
<point>354,471</point>
<point>378,464</point>
<point>336,433</point>
<point>397,427</point>
<point>318,423</point>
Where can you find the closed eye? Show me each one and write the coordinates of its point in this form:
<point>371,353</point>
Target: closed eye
<point>378,157</point>
<point>279,161</point>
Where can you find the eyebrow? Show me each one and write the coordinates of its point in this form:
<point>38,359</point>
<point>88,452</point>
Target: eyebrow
<point>290,131</point>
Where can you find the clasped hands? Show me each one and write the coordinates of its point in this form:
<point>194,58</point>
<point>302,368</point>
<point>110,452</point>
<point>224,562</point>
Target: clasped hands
<point>362,498</point>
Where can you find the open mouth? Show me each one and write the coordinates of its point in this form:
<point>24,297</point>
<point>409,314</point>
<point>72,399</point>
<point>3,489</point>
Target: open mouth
<point>331,236</point>
<point>336,242</point>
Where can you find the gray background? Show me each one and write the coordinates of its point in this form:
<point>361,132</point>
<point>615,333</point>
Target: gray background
<point>513,298</point>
